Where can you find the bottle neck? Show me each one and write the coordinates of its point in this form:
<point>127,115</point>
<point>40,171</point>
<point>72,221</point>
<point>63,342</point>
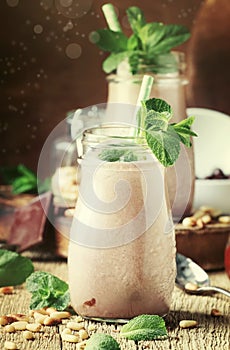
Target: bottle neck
<point>169,83</point>
<point>120,139</point>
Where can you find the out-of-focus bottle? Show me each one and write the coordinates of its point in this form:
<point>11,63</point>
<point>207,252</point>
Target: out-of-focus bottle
<point>169,84</point>
<point>64,185</point>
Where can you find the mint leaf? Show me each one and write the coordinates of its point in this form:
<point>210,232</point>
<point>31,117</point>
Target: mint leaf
<point>146,42</point>
<point>14,268</point>
<point>157,105</point>
<point>144,327</point>
<point>164,145</point>
<point>183,130</point>
<point>23,170</point>
<point>172,36</point>
<point>115,155</point>
<point>23,180</point>
<point>47,290</point>
<point>113,60</point>
<point>151,34</point>
<point>102,341</point>
<point>24,184</point>
<point>164,138</point>
<point>133,42</point>
<point>136,18</point>
<point>163,63</point>
<point>108,40</point>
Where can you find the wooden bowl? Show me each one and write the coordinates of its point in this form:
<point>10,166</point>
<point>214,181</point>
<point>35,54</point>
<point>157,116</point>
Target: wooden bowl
<point>205,246</point>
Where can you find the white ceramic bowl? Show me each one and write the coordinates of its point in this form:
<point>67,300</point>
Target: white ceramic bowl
<point>212,146</point>
<point>214,193</point>
<point>212,151</point>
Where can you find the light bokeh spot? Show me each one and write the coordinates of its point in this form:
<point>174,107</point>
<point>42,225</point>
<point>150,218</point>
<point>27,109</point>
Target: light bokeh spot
<point>38,29</point>
<point>73,51</point>
<point>12,3</point>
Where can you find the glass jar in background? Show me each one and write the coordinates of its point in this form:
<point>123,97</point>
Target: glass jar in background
<point>64,186</point>
<point>64,168</point>
<point>169,84</point>
<point>121,257</point>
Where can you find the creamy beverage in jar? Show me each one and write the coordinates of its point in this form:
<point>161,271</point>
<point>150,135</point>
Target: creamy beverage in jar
<point>122,245</point>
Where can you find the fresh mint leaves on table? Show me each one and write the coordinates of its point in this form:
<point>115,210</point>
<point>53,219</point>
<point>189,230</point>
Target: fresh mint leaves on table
<point>144,327</point>
<point>163,138</point>
<point>14,268</point>
<point>23,180</point>
<point>47,290</point>
<point>101,341</point>
<point>149,44</point>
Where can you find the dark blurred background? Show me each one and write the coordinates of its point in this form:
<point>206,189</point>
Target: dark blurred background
<point>48,65</point>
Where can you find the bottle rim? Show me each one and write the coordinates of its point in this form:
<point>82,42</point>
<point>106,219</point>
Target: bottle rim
<point>162,68</point>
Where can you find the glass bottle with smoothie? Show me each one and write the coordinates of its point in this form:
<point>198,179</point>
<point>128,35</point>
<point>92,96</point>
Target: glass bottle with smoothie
<point>148,51</point>
<point>122,245</point>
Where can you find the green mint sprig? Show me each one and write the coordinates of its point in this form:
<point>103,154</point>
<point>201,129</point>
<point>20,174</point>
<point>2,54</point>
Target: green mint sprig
<point>102,341</point>
<point>14,268</point>
<point>149,43</point>
<point>162,137</point>
<point>23,180</point>
<point>47,290</point>
<point>144,327</point>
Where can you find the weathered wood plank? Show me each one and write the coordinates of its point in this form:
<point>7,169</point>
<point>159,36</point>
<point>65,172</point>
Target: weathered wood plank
<point>211,333</point>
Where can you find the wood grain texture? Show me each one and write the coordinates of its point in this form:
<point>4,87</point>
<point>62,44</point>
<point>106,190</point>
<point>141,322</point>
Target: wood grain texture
<point>212,332</point>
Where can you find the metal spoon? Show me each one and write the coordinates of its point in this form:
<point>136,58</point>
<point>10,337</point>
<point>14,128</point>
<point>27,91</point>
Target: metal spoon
<point>189,272</point>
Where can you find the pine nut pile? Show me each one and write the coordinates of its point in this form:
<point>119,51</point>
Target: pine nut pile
<point>74,331</point>
<point>205,215</point>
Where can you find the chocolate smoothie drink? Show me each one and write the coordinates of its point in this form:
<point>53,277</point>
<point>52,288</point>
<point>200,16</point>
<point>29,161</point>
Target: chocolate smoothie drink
<point>122,247</point>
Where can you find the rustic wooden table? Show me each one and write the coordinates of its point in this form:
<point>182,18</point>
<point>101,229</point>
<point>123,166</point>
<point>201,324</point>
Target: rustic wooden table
<point>212,333</point>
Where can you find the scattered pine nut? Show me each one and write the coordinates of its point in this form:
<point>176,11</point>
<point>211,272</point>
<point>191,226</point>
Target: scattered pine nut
<point>59,315</point>
<point>39,318</point>
<point>28,335</point>
<point>20,325</point>
<point>206,219</point>
<point>200,223</point>
<point>70,338</point>
<point>50,310</point>
<point>191,286</point>
<point>225,219</point>
<point>189,222</point>
<point>41,311</point>
<point>83,334</point>
<point>66,331</point>
<point>10,345</point>
<point>198,214</point>
<point>20,317</point>
<point>7,290</point>
<point>69,212</point>
<point>4,320</point>
<point>50,321</point>
<point>188,324</point>
<point>9,328</point>
<point>216,313</point>
<point>34,327</point>
<point>75,326</point>
<point>211,211</point>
